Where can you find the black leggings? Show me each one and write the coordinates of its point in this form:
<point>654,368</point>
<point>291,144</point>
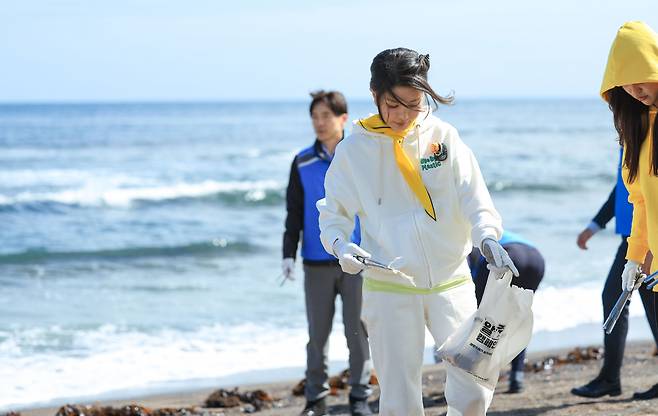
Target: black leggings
<point>530,263</point>
<point>615,342</point>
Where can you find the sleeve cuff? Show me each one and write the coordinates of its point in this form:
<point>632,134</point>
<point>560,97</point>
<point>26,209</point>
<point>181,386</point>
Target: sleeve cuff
<point>594,227</point>
<point>483,237</point>
<point>329,237</point>
<point>483,234</point>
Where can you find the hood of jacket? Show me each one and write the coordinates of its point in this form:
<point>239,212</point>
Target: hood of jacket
<point>633,57</point>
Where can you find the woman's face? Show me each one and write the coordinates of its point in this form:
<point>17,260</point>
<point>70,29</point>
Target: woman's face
<point>646,92</point>
<point>398,116</point>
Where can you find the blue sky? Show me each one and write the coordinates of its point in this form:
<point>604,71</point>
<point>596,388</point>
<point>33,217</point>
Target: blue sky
<point>135,50</point>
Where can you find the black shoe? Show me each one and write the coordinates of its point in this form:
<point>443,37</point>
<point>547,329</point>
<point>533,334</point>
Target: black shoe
<point>315,408</point>
<point>359,407</point>
<point>598,388</point>
<point>652,393</point>
<point>515,386</point>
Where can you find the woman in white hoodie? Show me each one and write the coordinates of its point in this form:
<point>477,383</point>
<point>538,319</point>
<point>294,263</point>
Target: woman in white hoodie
<point>420,196</point>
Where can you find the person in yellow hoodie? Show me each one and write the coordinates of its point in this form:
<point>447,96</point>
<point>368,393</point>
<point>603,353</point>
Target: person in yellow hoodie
<point>630,86</point>
<point>421,198</point>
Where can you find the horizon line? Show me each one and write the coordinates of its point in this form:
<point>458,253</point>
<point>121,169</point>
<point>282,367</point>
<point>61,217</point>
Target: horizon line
<point>267,100</point>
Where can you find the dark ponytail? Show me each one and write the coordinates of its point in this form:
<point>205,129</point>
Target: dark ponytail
<point>402,67</point>
<point>631,119</point>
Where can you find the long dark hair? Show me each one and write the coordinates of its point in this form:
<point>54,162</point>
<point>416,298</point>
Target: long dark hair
<point>402,67</point>
<point>632,123</point>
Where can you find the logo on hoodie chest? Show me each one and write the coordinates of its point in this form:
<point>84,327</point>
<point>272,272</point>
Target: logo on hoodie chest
<point>439,153</point>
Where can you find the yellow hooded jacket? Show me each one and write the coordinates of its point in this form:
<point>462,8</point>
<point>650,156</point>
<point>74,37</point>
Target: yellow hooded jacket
<point>634,59</point>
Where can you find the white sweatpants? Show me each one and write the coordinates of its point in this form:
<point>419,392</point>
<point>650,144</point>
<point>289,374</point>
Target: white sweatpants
<point>396,330</point>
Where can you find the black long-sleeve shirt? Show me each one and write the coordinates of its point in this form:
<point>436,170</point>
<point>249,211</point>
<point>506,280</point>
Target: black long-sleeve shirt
<point>295,208</point>
<point>607,211</point>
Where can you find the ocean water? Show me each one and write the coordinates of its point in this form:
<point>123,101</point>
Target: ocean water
<point>140,243</point>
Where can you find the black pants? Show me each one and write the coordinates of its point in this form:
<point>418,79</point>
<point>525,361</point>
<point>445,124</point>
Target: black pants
<point>530,263</point>
<point>616,342</point>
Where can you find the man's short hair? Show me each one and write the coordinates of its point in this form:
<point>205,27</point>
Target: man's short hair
<point>334,100</point>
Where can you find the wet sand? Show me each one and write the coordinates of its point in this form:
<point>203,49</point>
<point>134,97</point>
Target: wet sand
<point>546,392</point>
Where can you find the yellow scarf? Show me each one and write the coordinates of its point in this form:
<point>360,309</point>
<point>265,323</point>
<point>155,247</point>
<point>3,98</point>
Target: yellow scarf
<point>409,171</point>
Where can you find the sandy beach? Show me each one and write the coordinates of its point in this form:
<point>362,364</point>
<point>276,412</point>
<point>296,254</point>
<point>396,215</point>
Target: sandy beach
<point>546,393</point>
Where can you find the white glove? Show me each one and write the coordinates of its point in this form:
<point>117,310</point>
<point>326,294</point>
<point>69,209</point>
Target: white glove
<point>288,268</point>
<point>345,253</point>
<point>631,269</point>
<point>497,257</point>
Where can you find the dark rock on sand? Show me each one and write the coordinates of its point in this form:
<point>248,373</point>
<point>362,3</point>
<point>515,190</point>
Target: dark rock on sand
<point>251,401</point>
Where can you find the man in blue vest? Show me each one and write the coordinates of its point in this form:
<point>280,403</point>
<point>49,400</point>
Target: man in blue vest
<point>323,277</point>
<point>608,382</point>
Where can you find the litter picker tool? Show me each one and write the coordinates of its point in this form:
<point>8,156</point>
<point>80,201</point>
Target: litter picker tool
<point>389,267</point>
<point>651,280</point>
<point>640,278</point>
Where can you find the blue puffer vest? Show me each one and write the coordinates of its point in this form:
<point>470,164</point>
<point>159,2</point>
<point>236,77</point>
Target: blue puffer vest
<point>623,208</point>
<point>312,165</point>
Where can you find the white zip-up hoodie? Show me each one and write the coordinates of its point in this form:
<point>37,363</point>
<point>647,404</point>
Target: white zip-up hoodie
<point>364,180</point>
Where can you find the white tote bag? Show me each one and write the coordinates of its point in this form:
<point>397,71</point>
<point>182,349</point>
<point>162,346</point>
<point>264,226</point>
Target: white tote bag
<point>496,333</point>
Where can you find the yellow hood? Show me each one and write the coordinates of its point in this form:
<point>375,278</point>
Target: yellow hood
<point>633,57</point>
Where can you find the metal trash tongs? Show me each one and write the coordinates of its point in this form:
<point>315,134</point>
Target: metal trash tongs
<point>374,263</point>
<point>651,281</point>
